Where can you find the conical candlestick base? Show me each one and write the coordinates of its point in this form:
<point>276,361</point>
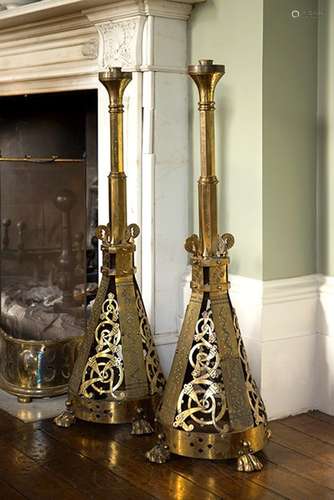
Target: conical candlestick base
<point>117,376</point>
<point>117,371</point>
<point>211,407</point>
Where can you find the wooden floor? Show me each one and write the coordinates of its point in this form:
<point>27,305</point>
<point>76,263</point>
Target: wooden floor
<point>41,461</point>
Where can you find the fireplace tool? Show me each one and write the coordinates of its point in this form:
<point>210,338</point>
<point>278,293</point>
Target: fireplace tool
<point>117,376</point>
<point>211,407</point>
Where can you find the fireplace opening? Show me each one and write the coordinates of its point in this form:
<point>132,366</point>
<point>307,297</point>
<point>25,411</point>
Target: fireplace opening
<point>49,263</point>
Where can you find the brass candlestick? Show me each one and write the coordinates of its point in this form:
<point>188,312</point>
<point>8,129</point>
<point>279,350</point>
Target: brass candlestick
<point>117,376</point>
<point>211,407</point>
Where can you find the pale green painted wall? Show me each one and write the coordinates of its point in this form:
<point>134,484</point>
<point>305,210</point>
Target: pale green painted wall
<point>230,32</point>
<point>326,136</point>
<point>266,130</point>
<point>289,138</point>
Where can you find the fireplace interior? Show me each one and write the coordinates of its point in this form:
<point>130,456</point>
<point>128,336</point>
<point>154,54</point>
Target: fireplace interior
<point>48,174</point>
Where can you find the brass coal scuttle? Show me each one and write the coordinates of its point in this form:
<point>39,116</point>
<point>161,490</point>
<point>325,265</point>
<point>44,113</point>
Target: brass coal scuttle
<point>43,274</point>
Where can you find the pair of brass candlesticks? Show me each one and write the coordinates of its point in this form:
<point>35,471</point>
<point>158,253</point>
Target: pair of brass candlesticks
<point>211,407</point>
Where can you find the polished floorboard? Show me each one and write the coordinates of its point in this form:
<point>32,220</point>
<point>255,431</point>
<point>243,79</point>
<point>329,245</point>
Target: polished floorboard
<point>87,461</point>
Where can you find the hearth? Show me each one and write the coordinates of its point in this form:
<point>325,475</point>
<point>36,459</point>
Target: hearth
<point>48,178</point>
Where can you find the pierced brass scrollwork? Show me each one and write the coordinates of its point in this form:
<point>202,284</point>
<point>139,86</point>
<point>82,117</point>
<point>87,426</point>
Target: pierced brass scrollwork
<point>104,372</point>
<point>202,401</point>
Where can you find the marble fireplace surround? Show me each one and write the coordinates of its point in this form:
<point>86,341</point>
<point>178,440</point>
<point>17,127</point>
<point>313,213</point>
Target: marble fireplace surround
<point>60,45</point>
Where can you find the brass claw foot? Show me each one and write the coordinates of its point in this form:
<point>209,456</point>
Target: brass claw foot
<point>160,453</point>
<point>24,399</point>
<point>247,461</point>
<point>66,418</point>
<point>140,425</point>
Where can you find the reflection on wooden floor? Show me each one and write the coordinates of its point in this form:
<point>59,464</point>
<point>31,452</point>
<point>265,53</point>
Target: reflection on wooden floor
<point>41,461</point>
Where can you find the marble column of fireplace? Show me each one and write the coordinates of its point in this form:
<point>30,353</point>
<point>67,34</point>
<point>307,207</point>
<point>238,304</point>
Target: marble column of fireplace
<point>60,45</point>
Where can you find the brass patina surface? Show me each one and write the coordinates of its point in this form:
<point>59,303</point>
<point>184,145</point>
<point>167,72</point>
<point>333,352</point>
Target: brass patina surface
<point>211,407</point>
<point>36,368</point>
<point>117,376</point>
<point>212,445</point>
<point>105,411</point>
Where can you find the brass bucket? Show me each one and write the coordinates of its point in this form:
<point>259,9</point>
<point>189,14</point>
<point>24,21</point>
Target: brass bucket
<point>36,368</point>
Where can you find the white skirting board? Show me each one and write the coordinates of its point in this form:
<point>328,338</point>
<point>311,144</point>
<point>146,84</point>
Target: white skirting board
<point>325,347</point>
<point>288,329</point>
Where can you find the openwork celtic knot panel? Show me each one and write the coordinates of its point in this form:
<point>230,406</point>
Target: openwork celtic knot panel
<point>104,371</point>
<point>255,400</point>
<point>202,401</point>
<point>154,374</point>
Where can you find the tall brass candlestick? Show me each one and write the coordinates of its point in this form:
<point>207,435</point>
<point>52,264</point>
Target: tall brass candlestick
<point>211,407</point>
<point>117,376</point>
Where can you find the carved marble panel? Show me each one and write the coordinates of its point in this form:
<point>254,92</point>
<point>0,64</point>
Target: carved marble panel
<point>122,42</point>
<point>90,49</point>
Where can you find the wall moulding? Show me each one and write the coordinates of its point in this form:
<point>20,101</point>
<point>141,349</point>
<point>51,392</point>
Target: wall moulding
<point>37,12</point>
<point>326,306</point>
<point>69,38</point>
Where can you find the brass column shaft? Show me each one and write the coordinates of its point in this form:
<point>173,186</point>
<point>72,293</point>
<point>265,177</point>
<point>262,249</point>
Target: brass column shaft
<point>117,177</point>
<point>207,185</point>
<point>206,77</point>
<point>207,131</point>
<point>116,133</point>
<point>117,198</point>
<point>115,82</point>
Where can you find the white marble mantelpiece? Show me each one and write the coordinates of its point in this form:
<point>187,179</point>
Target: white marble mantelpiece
<point>61,45</point>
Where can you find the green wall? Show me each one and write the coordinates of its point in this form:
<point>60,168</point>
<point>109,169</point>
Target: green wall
<point>289,138</point>
<point>326,136</point>
<point>230,32</point>
<point>266,130</point>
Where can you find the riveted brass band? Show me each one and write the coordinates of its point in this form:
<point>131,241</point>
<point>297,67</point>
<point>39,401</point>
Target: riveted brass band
<point>213,446</point>
<point>124,261</point>
<point>111,412</point>
<point>218,274</point>
<point>118,260</point>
